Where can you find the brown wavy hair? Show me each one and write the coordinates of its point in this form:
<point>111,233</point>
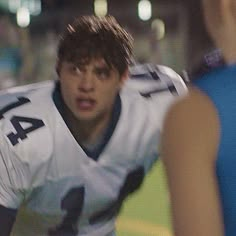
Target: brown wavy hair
<point>90,37</point>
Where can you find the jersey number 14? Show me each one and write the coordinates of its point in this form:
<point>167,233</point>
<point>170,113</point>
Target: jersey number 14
<point>17,122</point>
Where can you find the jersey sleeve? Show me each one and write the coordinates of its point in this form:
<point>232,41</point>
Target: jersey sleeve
<point>25,143</point>
<point>151,80</point>
<point>159,87</point>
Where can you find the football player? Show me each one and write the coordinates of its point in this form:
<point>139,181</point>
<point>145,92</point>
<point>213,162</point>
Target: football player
<point>72,150</point>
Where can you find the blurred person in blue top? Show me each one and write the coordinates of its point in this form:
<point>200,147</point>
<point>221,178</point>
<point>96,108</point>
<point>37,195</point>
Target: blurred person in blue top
<point>199,139</point>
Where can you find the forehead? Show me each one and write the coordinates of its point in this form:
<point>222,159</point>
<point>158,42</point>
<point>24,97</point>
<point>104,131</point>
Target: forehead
<point>98,62</point>
<point>86,62</point>
<point>95,63</point>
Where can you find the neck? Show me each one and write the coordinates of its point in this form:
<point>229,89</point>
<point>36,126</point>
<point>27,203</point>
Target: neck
<point>225,38</point>
<point>228,48</point>
<point>86,132</point>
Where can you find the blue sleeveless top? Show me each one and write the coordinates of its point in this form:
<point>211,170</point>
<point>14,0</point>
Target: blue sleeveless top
<point>220,86</point>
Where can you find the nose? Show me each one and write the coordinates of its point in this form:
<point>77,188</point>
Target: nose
<point>87,83</point>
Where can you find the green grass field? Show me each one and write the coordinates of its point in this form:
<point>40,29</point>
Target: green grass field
<point>147,211</point>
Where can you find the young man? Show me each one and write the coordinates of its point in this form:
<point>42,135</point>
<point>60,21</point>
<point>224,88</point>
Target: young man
<point>72,150</point>
<point>200,136</point>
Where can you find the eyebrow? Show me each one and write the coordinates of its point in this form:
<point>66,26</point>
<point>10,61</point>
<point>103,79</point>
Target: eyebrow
<point>102,67</point>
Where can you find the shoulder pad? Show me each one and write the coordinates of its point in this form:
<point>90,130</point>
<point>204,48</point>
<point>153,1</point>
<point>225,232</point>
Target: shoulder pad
<point>156,77</point>
<point>152,72</point>
<point>24,128</point>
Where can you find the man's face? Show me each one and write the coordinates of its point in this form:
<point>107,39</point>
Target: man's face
<point>89,92</point>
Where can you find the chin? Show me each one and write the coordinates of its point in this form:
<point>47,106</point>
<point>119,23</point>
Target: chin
<point>85,117</point>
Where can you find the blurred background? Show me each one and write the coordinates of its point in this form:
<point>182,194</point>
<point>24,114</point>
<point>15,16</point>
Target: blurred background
<point>168,32</point>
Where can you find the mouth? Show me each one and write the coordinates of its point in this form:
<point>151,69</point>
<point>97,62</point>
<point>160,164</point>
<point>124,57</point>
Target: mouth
<point>85,104</point>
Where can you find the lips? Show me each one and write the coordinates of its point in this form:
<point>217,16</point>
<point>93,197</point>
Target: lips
<point>85,104</point>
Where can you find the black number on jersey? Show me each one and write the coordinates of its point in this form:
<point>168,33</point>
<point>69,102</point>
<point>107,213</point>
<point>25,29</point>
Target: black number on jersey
<point>17,121</point>
<point>171,88</point>
<point>147,72</point>
<point>21,101</point>
<point>132,182</point>
<point>21,133</point>
<point>72,203</point>
<point>150,72</point>
<point>74,200</point>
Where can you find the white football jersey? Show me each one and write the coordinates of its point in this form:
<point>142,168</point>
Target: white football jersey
<point>59,190</point>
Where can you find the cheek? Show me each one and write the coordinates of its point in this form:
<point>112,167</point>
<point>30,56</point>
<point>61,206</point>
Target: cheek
<point>109,94</point>
<point>64,87</point>
<point>67,92</point>
<point>112,88</point>
<point>67,84</point>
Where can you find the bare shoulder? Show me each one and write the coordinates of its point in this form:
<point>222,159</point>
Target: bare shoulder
<point>191,127</point>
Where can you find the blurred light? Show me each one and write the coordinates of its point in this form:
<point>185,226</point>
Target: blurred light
<point>23,17</point>
<point>34,6</point>
<point>13,5</point>
<point>144,10</point>
<point>100,7</point>
<point>158,26</point>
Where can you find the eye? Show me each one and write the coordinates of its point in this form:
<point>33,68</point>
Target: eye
<point>73,69</point>
<point>102,73</point>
